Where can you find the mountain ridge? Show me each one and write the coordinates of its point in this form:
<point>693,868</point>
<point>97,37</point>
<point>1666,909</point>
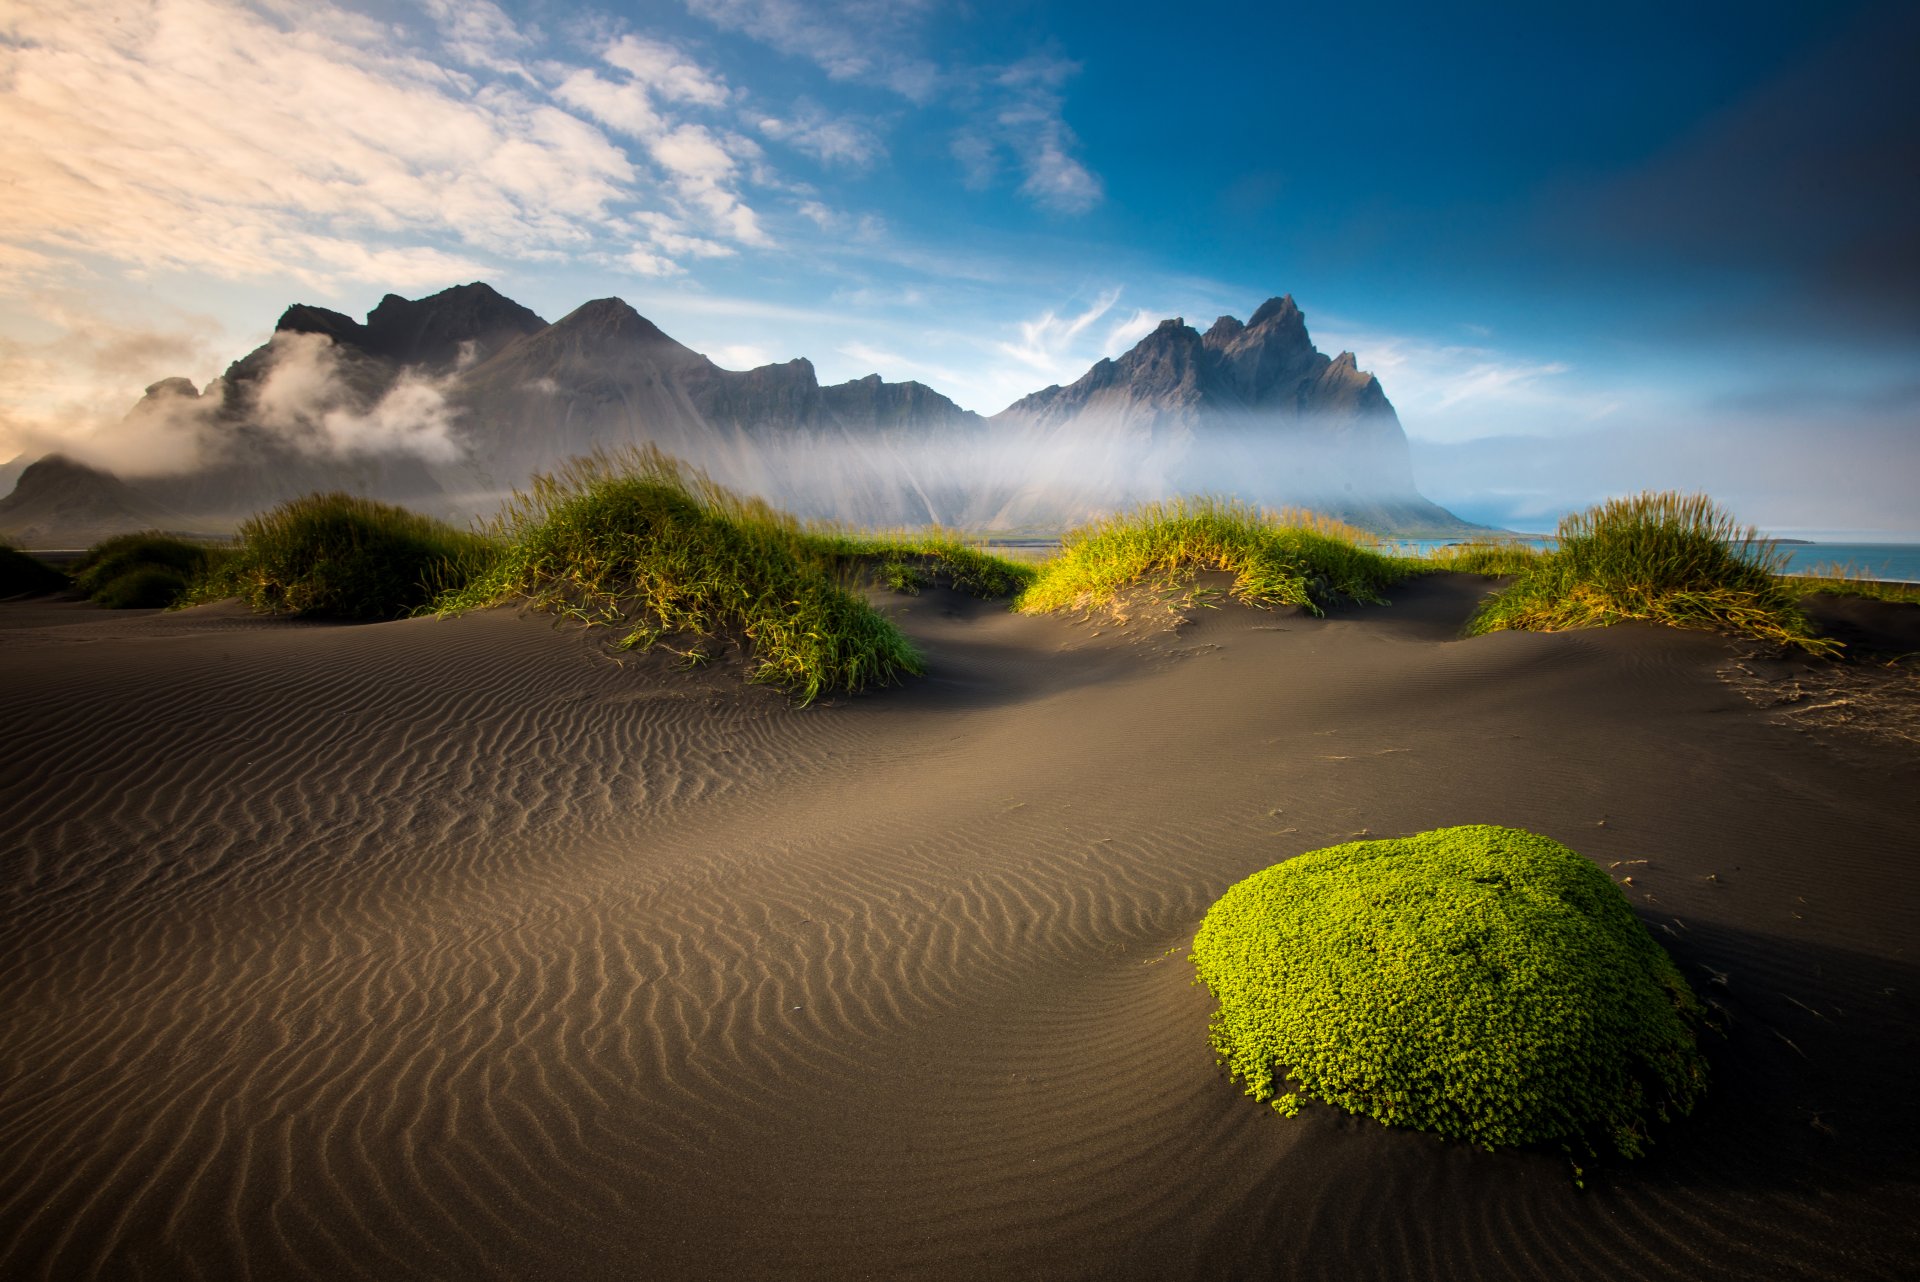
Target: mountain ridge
<point>447,401</point>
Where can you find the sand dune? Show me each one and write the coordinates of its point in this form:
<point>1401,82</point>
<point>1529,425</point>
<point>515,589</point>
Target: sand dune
<point>455,949</point>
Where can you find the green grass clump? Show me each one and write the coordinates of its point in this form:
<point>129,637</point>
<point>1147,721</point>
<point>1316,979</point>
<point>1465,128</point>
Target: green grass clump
<point>1276,558</point>
<point>341,557</point>
<point>1841,581</point>
<point>908,562</point>
<point>1669,558</point>
<point>145,571</point>
<point>1487,984</point>
<point>1491,558</point>
<point>640,542</point>
<point>23,575</point>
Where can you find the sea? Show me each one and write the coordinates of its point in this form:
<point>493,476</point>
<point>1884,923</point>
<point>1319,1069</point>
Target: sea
<point>1890,562</point>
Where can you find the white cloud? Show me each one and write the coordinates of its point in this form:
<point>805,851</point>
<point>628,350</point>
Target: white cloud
<point>897,368</point>
<point>847,39</point>
<point>666,72</point>
<point>740,356</point>
<point>1451,391</point>
<point>1128,331</point>
<point>207,137</point>
<point>1049,342</point>
<point>480,34</point>
<point>66,389</point>
<point>830,140</point>
<point>307,401</point>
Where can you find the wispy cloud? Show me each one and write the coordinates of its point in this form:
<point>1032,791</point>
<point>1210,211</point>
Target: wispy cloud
<point>847,39</point>
<point>829,139</point>
<point>1015,114</point>
<point>1049,342</point>
<point>1453,391</point>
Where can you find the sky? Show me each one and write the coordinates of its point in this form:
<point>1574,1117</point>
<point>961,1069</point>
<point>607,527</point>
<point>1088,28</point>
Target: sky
<point>1587,249</point>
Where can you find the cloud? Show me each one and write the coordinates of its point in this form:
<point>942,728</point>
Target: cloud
<point>830,140</point>
<point>1453,391</point>
<point>207,137</point>
<point>1020,116</point>
<point>1128,331</point>
<point>1047,342</point>
<point>308,399</point>
<point>1781,472</point>
<point>65,389</point>
<point>701,165</point>
<point>478,33</point>
<point>847,39</point>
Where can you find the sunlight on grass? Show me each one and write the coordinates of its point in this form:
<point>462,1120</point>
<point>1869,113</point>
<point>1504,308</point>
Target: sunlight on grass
<point>1290,557</point>
<point>1669,558</point>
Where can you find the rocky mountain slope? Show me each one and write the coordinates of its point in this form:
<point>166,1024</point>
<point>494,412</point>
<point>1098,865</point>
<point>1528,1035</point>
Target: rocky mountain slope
<point>448,401</point>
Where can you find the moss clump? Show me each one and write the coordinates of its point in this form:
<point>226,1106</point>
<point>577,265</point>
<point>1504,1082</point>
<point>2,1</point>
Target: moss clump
<point>145,571</point>
<point>1669,558</point>
<point>1276,558</point>
<point>640,542</point>
<point>342,557</point>
<point>1484,983</point>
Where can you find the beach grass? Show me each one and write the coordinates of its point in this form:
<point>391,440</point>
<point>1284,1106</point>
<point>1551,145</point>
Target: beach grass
<point>640,542</point>
<point>1664,557</point>
<point>1288,557</point>
<point>1483,983</point>
<point>147,570</point>
<point>1842,581</point>
<point>343,557</point>
<point>23,575</point>
<point>1493,558</point>
<point>910,560</point>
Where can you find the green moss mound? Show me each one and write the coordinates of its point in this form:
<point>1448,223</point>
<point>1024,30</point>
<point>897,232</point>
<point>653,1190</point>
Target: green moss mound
<point>145,571</point>
<point>1484,983</point>
<point>638,541</point>
<point>342,557</point>
<point>1277,558</point>
<point>23,575</point>
<point>1669,558</point>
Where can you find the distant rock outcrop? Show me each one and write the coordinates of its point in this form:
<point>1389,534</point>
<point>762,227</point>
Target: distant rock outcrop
<point>447,402</point>
<point>61,503</point>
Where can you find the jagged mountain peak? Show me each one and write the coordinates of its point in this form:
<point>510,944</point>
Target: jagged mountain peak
<point>473,320</point>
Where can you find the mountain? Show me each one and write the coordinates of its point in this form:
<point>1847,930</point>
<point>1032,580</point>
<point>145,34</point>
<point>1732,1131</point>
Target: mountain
<point>61,503</point>
<point>447,402</point>
<point>1249,409</point>
<point>604,376</point>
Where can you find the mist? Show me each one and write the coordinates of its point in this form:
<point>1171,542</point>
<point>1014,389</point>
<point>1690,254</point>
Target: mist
<point>1804,475</point>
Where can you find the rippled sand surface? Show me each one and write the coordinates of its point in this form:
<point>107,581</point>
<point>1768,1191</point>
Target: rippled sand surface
<point>455,949</point>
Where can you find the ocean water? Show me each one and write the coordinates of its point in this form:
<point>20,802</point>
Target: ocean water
<point>1899,562</point>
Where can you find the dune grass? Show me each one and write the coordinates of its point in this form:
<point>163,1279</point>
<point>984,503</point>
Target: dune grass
<point>1496,559</point>
<point>342,557</point>
<point>908,561</point>
<point>1484,983</point>
<point>1669,558</point>
<point>1841,581</point>
<point>23,575</point>
<point>640,542</point>
<point>1287,557</point>
<point>146,570</point>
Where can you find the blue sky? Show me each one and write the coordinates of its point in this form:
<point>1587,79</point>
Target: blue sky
<point>1587,251</point>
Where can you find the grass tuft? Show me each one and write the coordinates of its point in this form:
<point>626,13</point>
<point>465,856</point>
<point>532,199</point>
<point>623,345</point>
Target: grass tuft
<point>638,541</point>
<point>1841,580</point>
<point>1669,558</point>
<point>1277,558</point>
<point>1483,983</point>
<point>145,571</point>
<point>910,561</point>
<point>1496,559</point>
<point>23,575</point>
<point>341,557</point>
